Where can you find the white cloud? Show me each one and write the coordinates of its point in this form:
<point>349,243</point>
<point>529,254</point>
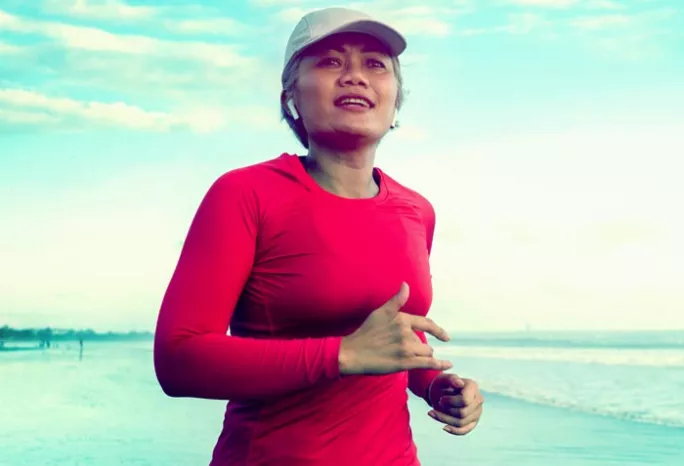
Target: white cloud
<point>414,19</point>
<point>291,15</point>
<point>636,36</point>
<point>98,40</point>
<point>22,117</point>
<point>272,3</point>
<point>7,49</point>
<point>116,114</point>
<point>525,23</point>
<point>603,5</point>
<point>213,26</point>
<point>544,3</point>
<point>601,22</point>
<point>98,9</point>
<point>421,26</point>
<point>22,107</point>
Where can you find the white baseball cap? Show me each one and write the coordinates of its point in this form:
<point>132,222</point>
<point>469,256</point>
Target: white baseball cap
<point>319,24</point>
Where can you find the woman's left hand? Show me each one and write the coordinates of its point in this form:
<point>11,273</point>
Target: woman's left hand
<point>457,402</point>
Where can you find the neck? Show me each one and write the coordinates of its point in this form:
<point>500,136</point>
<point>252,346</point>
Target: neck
<point>347,173</point>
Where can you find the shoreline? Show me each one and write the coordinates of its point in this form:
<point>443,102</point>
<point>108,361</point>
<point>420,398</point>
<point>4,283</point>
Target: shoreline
<point>514,431</point>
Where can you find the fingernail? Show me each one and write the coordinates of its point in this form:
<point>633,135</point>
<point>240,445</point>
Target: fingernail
<point>447,429</point>
<point>432,414</point>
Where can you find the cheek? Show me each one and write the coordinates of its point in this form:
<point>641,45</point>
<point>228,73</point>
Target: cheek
<point>312,93</point>
<point>388,91</point>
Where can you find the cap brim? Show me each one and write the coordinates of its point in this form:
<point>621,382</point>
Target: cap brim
<point>391,38</point>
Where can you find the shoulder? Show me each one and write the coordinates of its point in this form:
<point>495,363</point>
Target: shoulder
<point>259,180</point>
<point>247,191</point>
<point>257,175</point>
<point>402,192</point>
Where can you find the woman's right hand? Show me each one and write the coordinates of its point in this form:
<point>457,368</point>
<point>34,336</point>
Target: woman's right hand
<point>386,342</point>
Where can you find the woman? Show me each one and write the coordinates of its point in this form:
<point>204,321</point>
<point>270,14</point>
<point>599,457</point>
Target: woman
<point>320,267</point>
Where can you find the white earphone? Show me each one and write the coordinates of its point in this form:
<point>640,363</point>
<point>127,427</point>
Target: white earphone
<point>292,109</point>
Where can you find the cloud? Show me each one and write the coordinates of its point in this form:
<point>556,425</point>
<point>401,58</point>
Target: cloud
<point>543,3</point>
<point>291,14</point>
<point>415,19</point>
<point>603,5</point>
<point>634,36</point>
<point>601,22</point>
<point>272,3</point>
<point>60,109</point>
<point>22,117</point>
<point>212,26</point>
<point>153,73</point>
<point>22,107</point>
<point>519,23</point>
<point>9,49</point>
<point>425,25</point>
<point>98,40</point>
<point>101,9</point>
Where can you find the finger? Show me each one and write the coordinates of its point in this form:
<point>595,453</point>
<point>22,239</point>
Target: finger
<point>446,419</point>
<point>424,362</point>
<point>398,301</point>
<point>471,393</point>
<point>461,400</point>
<point>454,402</point>
<point>427,325</point>
<point>456,421</point>
<point>456,382</point>
<point>460,413</point>
<point>460,430</point>
<point>420,349</point>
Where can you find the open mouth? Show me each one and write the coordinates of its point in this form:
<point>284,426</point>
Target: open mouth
<point>353,101</point>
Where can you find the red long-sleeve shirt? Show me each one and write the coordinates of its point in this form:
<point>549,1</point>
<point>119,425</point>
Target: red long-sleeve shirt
<point>290,269</point>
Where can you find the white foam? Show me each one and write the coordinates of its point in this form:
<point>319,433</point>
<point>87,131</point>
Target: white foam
<point>608,356</point>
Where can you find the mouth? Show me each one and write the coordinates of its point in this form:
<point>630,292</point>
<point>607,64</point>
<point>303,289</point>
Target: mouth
<point>354,101</point>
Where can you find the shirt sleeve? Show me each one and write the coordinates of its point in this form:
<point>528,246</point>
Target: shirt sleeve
<point>420,379</point>
<point>193,355</point>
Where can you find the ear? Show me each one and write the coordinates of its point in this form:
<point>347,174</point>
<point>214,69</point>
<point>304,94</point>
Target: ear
<point>292,109</point>
<point>394,120</point>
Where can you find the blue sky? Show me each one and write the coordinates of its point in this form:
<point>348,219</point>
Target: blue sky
<point>548,134</point>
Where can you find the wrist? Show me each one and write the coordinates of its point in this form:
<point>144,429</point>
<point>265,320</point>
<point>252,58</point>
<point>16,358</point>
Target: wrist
<point>428,392</point>
<point>344,359</point>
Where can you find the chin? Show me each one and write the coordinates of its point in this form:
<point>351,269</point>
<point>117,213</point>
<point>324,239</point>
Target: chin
<point>349,135</point>
<point>359,131</point>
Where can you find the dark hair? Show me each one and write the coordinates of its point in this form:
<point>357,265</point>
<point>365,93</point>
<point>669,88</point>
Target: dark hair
<point>289,81</point>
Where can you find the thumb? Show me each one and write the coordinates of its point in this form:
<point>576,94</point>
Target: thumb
<point>398,301</point>
<point>456,382</point>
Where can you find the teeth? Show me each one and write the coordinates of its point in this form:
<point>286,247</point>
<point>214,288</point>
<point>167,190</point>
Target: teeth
<point>354,101</point>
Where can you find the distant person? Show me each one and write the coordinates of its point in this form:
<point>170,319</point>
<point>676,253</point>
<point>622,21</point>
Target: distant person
<point>319,265</point>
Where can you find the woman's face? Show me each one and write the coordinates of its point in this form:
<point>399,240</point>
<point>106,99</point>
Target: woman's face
<point>347,88</point>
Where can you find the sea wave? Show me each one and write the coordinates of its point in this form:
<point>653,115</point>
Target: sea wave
<point>629,357</point>
<point>666,416</point>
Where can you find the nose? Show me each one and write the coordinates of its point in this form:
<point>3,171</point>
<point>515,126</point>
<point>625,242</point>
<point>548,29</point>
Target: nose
<point>353,73</point>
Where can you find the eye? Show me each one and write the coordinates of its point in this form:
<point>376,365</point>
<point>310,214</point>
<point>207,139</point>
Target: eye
<point>329,61</point>
<point>375,63</point>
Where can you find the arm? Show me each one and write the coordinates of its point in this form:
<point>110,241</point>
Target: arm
<point>193,356</point>
<point>420,379</point>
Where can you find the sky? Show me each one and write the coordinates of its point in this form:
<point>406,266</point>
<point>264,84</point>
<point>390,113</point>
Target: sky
<point>548,135</point>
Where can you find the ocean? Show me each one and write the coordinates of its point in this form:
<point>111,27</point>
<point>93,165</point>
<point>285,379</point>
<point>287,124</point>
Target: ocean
<point>555,398</point>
